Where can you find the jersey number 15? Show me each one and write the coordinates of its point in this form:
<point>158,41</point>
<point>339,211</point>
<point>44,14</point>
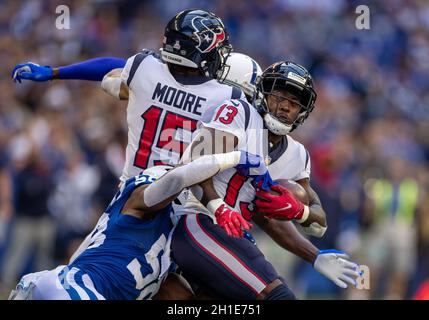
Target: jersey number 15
<point>167,124</point>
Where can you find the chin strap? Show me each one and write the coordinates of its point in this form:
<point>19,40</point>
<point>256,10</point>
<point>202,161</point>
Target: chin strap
<point>275,126</point>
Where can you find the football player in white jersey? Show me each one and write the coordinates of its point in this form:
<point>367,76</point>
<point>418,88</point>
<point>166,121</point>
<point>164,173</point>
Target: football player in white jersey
<point>241,71</point>
<point>167,93</point>
<point>233,268</point>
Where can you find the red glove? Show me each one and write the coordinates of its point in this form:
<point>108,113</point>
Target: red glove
<point>282,205</point>
<point>231,221</point>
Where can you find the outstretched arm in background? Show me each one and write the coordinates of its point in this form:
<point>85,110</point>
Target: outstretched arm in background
<point>105,69</point>
<point>92,70</point>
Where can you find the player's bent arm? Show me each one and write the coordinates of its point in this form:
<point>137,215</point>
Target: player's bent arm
<point>288,237</point>
<point>114,86</point>
<point>316,224</point>
<point>159,194</point>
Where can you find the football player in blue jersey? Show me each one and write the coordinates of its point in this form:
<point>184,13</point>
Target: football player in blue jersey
<point>127,255</point>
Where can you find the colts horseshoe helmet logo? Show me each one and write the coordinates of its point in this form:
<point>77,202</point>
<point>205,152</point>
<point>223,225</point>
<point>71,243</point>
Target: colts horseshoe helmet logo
<point>207,38</point>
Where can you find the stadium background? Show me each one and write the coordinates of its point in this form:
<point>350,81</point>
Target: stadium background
<point>61,143</point>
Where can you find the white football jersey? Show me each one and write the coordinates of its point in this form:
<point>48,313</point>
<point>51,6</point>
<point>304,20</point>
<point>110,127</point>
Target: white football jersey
<point>242,120</point>
<point>290,160</point>
<point>163,111</point>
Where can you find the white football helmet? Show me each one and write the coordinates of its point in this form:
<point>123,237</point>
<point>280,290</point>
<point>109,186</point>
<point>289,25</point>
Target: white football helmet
<point>241,71</point>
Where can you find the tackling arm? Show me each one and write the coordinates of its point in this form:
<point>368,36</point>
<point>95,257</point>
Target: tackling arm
<point>217,142</point>
<point>160,193</point>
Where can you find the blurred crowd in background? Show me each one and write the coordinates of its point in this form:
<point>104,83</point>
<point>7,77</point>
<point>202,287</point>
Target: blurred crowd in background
<point>62,143</point>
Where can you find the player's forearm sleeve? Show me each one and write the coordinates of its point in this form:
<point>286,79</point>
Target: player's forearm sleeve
<point>188,175</point>
<point>93,69</point>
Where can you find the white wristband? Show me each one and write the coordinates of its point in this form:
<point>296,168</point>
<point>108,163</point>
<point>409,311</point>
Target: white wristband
<point>304,215</point>
<point>213,205</point>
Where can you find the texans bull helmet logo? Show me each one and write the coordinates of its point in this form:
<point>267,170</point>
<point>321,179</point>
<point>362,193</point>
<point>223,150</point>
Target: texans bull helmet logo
<point>207,38</point>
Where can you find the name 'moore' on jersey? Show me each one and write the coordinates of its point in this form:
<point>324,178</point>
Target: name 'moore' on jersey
<point>163,110</point>
<point>289,160</point>
<point>125,257</point>
<point>242,120</point>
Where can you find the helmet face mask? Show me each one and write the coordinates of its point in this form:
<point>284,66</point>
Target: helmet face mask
<point>287,77</point>
<point>196,39</point>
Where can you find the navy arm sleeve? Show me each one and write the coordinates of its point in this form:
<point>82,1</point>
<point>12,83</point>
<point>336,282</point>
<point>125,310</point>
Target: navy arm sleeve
<point>93,69</point>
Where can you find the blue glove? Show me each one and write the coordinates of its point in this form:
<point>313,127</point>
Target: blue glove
<point>31,71</point>
<point>253,166</point>
<point>250,165</point>
<point>264,181</point>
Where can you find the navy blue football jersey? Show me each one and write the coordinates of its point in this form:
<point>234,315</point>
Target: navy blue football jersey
<point>124,255</point>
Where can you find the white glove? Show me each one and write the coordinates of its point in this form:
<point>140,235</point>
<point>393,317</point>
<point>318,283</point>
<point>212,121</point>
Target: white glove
<point>334,265</point>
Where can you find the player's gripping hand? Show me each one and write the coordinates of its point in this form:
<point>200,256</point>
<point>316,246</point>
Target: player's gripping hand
<point>228,219</point>
<point>280,205</point>
<point>231,221</point>
<point>31,71</point>
<point>334,265</point>
<point>253,166</point>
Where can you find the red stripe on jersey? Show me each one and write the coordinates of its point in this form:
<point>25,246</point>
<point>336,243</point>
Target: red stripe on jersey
<point>234,186</point>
